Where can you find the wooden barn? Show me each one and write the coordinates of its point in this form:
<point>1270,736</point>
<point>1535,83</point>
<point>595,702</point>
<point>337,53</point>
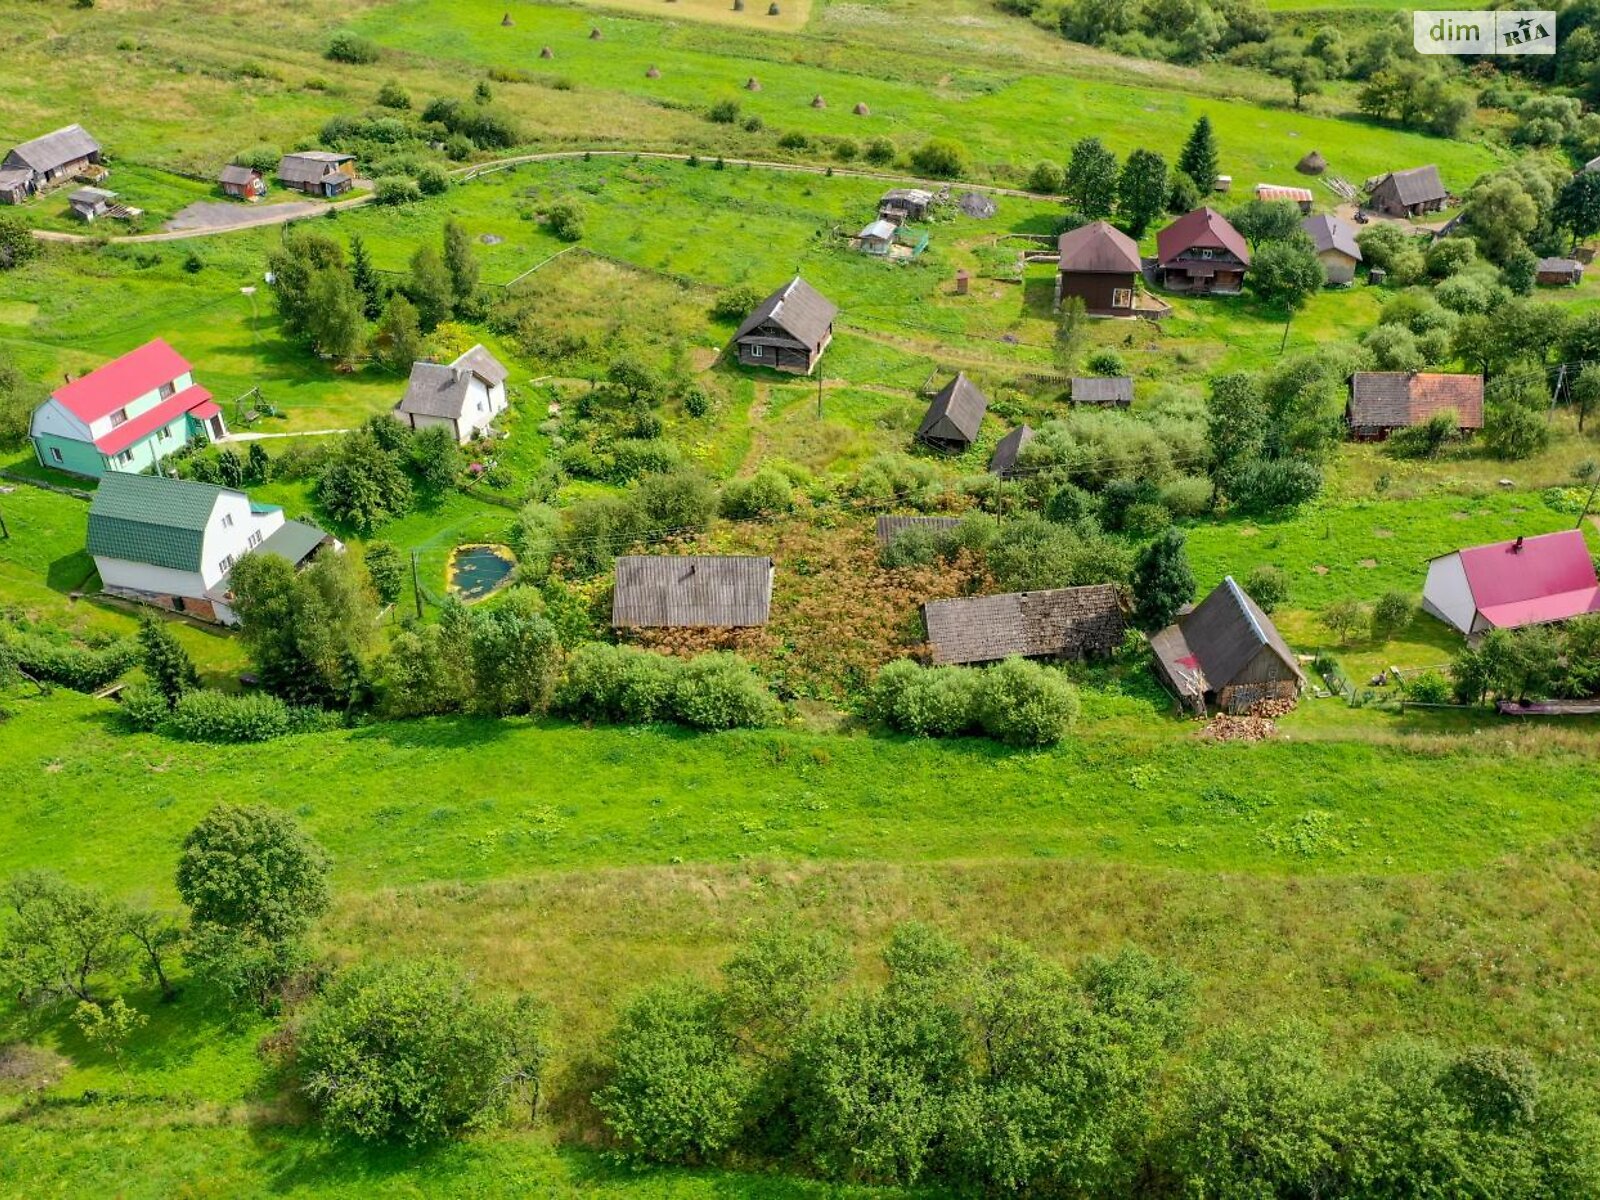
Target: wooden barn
<point>955,416</point>
<point>1559,272</point>
<point>788,331</point>
<point>697,591</point>
<point>1063,623</point>
<point>47,162</point>
<point>1383,401</point>
<point>318,172</point>
<point>1106,391</point>
<point>1410,193</point>
<point>1004,460</point>
<point>243,183</point>
<point>1226,651</point>
<point>1099,265</point>
<point>905,204</point>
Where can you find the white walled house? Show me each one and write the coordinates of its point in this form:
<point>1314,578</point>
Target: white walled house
<point>465,395</point>
<point>1506,585</point>
<point>125,416</point>
<point>172,542</point>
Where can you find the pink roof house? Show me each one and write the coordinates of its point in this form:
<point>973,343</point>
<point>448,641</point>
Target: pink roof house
<point>1528,581</point>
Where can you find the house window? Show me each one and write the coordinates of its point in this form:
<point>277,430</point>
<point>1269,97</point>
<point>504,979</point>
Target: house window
<point>1207,254</point>
<point>757,351</point>
<point>125,457</point>
<point>118,417</point>
<point>167,389</point>
<point>225,565</point>
<point>1121,297</point>
<point>255,539</point>
<point>227,520</point>
<point>55,453</point>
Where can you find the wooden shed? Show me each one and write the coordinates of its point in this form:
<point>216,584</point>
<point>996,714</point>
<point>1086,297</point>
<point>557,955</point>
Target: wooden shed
<point>1226,651</point>
<point>1072,623</point>
<point>1004,460</point>
<point>955,416</point>
<point>699,591</point>
<point>1409,193</point>
<point>1108,391</point>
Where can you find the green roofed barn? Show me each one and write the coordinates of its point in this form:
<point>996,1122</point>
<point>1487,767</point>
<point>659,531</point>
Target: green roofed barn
<point>172,542</point>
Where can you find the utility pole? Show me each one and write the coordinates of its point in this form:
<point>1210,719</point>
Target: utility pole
<point>819,393</point>
<point>416,584</point>
<point>5,534</point>
<point>1589,502</point>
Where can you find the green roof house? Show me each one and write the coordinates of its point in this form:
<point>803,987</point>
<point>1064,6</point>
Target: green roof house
<point>172,542</point>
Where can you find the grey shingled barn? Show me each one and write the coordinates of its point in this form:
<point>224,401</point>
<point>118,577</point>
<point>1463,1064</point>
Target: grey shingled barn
<point>1408,193</point>
<point>955,416</point>
<point>1080,622</point>
<point>46,162</point>
<point>788,331</point>
<point>1226,651</point>
<point>698,591</point>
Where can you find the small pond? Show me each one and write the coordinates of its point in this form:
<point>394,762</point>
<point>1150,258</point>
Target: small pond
<point>475,571</point>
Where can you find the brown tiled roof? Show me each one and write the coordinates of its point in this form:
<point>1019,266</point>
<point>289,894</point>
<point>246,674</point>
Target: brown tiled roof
<point>798,309</point>
<point>1098,248</point>
<point>892,527</point>
<point>1204,228</point>
<point>691,591</point>
<point>1397,399</point>
<point>956,413</point>
<point>1065,622</point>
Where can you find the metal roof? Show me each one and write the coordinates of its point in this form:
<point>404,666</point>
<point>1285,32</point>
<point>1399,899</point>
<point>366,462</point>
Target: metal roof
<point>1396,399</point>
<point>56,149</point>
<point>1055,623</point>
<point>1530,581</point>
<point>1204,228</point>
<point>879,230</point>
<point>1098,248</point>
<point>691,591</point>
<point>1278,191</point>
<point>293,540</point>
<point>798,309</point>
<point>151,519</point>
<point>956,413</point>
<point>108,388</point>
<point>1330,233</point>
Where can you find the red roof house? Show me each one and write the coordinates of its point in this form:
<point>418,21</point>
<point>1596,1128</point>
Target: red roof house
<point>125,416</point>
<point>1383,401</point>
<point>1202,252</point>
<point>1506,585</point>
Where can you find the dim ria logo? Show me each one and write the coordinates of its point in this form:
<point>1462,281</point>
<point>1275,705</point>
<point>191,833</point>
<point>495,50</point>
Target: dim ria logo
<point>1469,32</point>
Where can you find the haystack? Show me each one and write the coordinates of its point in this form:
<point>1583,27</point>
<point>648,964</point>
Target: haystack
<point>1312,164</point>
<point>506,22</point>
<point>595,35</point>
<point>653,72</point>
<point>738,5</point>
<point>752,84</point>
<point>863,111</point>
<point>773,10</point>
<point>546,52</point>
<point>818,102</point>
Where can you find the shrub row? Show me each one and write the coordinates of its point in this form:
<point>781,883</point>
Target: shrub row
<point>207,715</point>
<point>623,684</point>
<point>81,668</point>
<point>1016,701</point>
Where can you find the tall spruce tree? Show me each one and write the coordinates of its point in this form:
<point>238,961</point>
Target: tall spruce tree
<point>1199,158</point>
<point>166,663</point>
<point>1162,581</point>
<point>460,261</point>
<point>365,277</point>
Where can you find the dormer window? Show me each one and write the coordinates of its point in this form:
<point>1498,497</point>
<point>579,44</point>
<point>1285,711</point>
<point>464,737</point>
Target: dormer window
<point>167,390</point>
<point>118,417</point>
<point>1207,253</point>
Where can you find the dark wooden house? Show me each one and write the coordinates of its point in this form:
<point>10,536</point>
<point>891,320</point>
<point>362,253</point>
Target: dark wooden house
<point>1099,265</point>
<point>1202,252</point>
<point>1107,391</point>
<point>1076,623</point>
<point>955,416</point>
<point>788,331</point>
<point>47,162</point>
<point>244,183</point>
<point>698,591</point>
<point>318,172</point>
<point>1408,193</point>
<point>1383,401</point>
<point>1559,272</point>
<point>1004,460</point>
<point>1226,651</point>
<point>905,204</point>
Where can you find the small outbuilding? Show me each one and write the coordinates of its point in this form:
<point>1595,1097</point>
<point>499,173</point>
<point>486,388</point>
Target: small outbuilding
<point>1106,391</point>
<point>1004,460</point>
<point>1061,623</point>
<point>697,591</point>
<point>1337,250</point>
<point>1202,252</point>
<point>877,238</point>
<point>1226,651</point>
<point>1383,401</point>
<point>243,183</point>
<point>1507,585</point>
<point>1559,272</point>
<point>91,203</point>
<point>905,204</point>
<point>955,416</point>
<point>1099,264</point>
<point>465,396</point>
<point>1411,193</point>
<point>788,331</point>
<point>318,172</point>
<point>1273,193</point>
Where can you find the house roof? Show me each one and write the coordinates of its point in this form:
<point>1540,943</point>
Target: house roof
<point>798,309</point>
<point>1547,578</point>
<point>1395,399</point>
<point>64,145</point>
<point>1592,165</point>
<point>1559,266</point>
<point>1204,228</point>
<point>193,399</point>
<point>880,230</point>
<point>151,519</point>
<point>293,540</point>
<point>107,388</point>
<point>15,177</point>
<point>892,527</point>
<point>902,195</point>
<point>1278,191</point>
<point>1331,234</point>
<point>692,591</point>
<point>959,406</point>
<point>233,173</point>
<point>1215,640</point>
<point>1102,389</point>
<point>1004,460</point>
<point>1063,621</point>
<point>90,195</point>
<point>308,166</point>
<point>1098,248</point>
<point>1419,185</point>
<point>440,389</point>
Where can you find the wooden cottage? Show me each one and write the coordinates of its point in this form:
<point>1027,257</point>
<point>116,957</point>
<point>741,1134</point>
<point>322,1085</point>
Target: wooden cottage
<point>1107,391</point>
<point>1337,251</point>
<point>1226,651</point>
<point>1559,272</point>
<point>1074,623</point>
<point>1202,252</point>
<point>698,591</point>
<point>48,162</point>
<point>1004,460</point>
<point>788,331</point>
<point>1383,401</point>
<point>464,396</point>
<point>1099,265</point>
<point>243,183</point>
<point>905,204</point>
<point>318,172</point>
<point>1408,193</point>
<point>955,416</point>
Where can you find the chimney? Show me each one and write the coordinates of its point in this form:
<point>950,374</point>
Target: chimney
<point>1516,546</point>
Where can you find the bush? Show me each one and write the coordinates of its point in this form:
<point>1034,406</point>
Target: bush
<point>1449,255</point>
<point>765,493</point>
<point>880,151</point>
<point>81,668</point>
<point>1268,586</point>
<point>261,158</point>
<point>207,715</point>
<point>1187,496</point>
<point>721,691</point>
<point>1107,362</point>
<point>1046,179</point>
<point>1025,704</point>
<point>565,219</point>
<point>392,95</point>
<point>1391,613</point>
<point>1277,484</point>
<point>348,48</point>
<point>432,179</point>
<point>940,158</point>
<point>144,708</point>
<point>396,189</point>
<point>618,684</point>
<point>735,303</point>
<point>1428,688</point>
<point>681,501</point>
<point>644,456</point>
<point>724,112</point>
